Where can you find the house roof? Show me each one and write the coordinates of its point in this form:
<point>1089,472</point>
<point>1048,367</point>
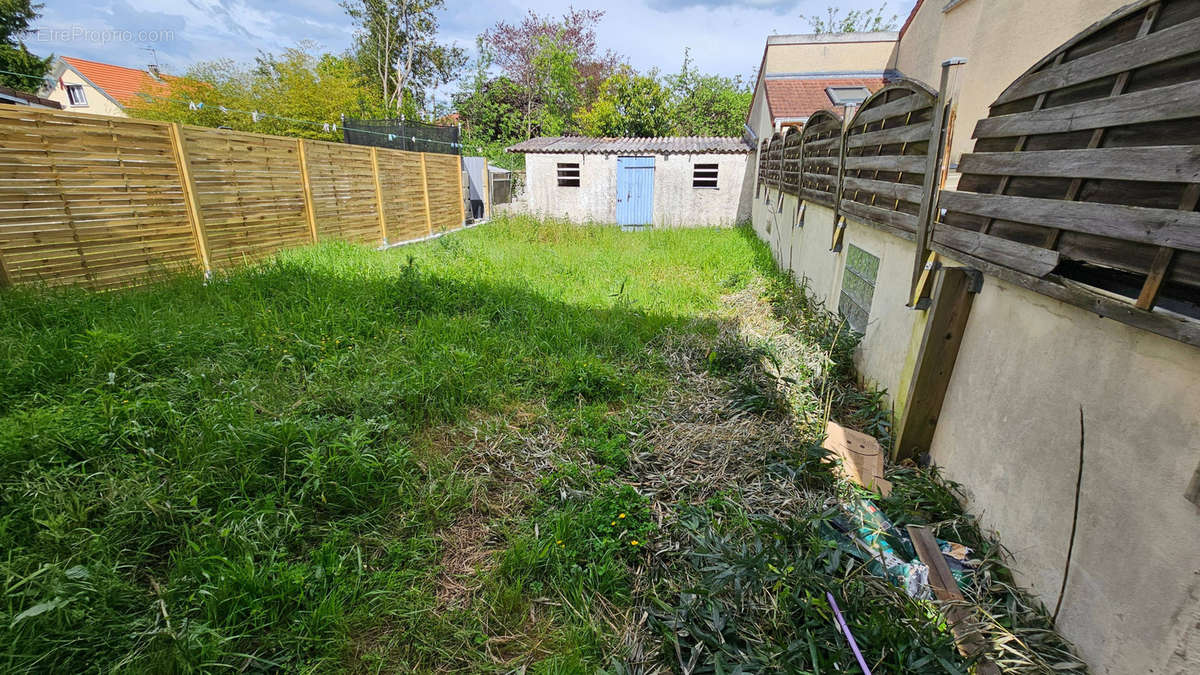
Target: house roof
<point>10,95</point>
<point>120,83</point>
<point>657,145</point>
<point>799,97</point>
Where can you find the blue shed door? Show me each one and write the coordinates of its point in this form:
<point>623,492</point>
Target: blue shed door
<point>635,190</point>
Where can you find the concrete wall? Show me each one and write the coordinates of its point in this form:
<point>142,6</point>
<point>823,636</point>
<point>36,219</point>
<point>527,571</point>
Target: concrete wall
<point>848,52</point>
<point>1009,432</point>
<point>887,351</point>
<point>676,202</point>
<point>97,102</point>
<point>760,113</point>
<point>1000,39</point>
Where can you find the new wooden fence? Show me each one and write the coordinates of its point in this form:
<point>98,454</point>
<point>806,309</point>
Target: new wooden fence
<point>106,202</point>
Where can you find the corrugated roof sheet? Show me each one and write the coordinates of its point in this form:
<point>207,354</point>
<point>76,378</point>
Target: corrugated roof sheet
<point>656,145</point>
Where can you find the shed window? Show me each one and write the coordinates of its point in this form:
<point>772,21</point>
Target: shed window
<point>843,96</point>
<point>75,94</point>
<point>704,176</point>
<point>858,286</point>
<point>568,174</point>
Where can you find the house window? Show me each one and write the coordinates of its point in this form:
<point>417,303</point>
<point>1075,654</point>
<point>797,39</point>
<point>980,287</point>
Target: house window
<point>844,96</point>
<point>858,285</point>
<point>75,94</point>
<point>704,175</point>
<point>568,174</point>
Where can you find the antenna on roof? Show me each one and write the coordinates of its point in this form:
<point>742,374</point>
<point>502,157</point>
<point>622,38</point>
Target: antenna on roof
<point>153,67</point>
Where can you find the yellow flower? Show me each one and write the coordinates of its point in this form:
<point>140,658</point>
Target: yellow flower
<point>559,541</point>
<point>613,523</point>
<point>634,542</point>
<point>621,516</point>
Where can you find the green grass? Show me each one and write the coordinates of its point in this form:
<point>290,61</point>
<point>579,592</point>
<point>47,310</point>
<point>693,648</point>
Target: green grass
<point>231,474</point>
<point>286,468</point>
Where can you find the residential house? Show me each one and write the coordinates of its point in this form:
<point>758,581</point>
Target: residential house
<point>100,88</point>
<point>801,74</point>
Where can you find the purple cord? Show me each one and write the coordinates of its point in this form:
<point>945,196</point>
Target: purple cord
<point>841,621</point>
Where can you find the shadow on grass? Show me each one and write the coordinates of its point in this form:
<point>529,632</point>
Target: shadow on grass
<point>199,475</point>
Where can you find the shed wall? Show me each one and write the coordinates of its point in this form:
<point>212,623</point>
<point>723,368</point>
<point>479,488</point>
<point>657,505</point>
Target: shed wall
<point>676,202</point>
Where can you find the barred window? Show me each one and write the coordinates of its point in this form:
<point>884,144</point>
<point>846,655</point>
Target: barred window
<point>858,286</point>
<point>704,175</point>
<point>568,174</point>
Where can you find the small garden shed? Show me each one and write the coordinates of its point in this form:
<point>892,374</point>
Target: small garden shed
<point>634,182</point>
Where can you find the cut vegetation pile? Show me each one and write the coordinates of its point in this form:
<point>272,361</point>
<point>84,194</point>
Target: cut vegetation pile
<point>526,446</point>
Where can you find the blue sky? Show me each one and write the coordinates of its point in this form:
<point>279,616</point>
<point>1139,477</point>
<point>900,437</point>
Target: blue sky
<point>725,37</point>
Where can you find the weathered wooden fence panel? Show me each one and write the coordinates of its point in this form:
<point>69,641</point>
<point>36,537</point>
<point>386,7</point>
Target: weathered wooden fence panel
<point>96,201</point>
<point>822,157</point>
<point>1085,178</point>
<point>105,202</point>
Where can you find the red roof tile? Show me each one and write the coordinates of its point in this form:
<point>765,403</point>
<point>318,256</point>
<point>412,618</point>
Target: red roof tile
<point>122,84</point>
<point>801,97</point>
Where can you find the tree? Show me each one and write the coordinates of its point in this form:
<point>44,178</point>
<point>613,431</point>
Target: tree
<point>854,21</point>
<point>397,49</point>
<point>629,104</point>
<point>15,17</point>
<point>518,48</point>
<point>304,88</point>
<point>707,105</point>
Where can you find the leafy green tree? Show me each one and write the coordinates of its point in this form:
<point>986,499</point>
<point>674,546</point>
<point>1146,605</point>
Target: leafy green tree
<point>556,81</point>
<point>629,104</point>
<point>15,17</point>
<point>853,21</point>
<point>397,49</point>
<point>707,105</point>
<point>298,84</point>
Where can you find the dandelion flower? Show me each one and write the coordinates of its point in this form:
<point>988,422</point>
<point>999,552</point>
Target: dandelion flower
<point>613,523</point>
<point>621,516</point>
<point>634,542</point>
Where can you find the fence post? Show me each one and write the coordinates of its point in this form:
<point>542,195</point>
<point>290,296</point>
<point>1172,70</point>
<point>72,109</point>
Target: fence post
<point>930,185</point>
<point>425,193</point>
<point>189,195</point>
<point>5,277</point>
<point>379,195</point>
<point>307,184</point>
<point>462,203</point>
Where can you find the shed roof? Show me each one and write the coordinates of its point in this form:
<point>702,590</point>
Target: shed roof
<point>656,145</point>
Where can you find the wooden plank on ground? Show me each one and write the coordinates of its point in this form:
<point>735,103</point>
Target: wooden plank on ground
<point>970,643</point>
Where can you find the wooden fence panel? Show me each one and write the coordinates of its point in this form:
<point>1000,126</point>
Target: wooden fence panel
<point>249,192</point>
<point>89,199</point>
<point>443,173</point>
<point>342,180</point>
<point>822,156</point>
<point>1091,159</point>
<point>793,152</point>
<point>892,127</point>
<point>403,198</point>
